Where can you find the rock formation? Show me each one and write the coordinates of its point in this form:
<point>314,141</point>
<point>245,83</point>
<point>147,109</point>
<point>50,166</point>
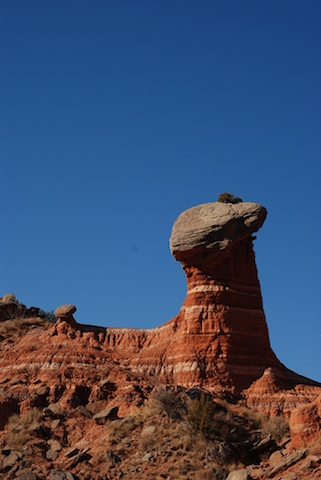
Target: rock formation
<point>11,308</point>
<point>71,379</point>
<point>219,340</point>
<point>64,313</point>
<point>305,423</point>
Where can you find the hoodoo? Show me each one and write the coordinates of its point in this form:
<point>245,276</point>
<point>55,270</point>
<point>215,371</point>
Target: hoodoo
<point>65,386</point>
<point>222,314</point>
<point>219,340</point>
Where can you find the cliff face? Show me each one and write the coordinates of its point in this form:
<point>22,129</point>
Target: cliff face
<point>219,340</point>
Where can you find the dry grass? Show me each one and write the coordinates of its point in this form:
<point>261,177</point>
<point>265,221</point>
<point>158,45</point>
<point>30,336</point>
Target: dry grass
<point>170,402</point>
<point>277,427</point>
<point>8,327</point>
<point>210,474</point>
<point>191,445</point>
<point>150,442</point>
<point>21,427</point>
<point>172,444</point>
<point>120,429</point>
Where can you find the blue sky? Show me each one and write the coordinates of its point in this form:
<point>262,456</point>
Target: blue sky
<point>118,115</point>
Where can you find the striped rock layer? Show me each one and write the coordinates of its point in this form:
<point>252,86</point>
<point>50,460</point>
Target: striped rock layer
<point>219,340</point>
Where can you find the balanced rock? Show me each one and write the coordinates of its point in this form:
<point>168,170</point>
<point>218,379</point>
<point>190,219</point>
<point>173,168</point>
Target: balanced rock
<point>214,226</point>
<point>65,313</point>
<point>219,340</point>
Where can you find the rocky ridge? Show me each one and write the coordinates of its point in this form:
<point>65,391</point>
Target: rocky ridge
<point>83,378</point>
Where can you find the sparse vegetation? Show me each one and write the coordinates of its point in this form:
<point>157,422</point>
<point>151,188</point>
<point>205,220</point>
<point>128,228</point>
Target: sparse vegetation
<point>21,427</point>
<point>171,402</point>
<point>187,438</point>
<point>212,421</point>
<point>193,435</point>
<point>122,428</point>
<point>19,324</point>
<point>50,316</point>
<point>229,198</point>
<point>277,427</point>
<point>169,433</point>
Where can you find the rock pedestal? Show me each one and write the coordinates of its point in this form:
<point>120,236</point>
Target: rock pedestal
<point>219,340</point>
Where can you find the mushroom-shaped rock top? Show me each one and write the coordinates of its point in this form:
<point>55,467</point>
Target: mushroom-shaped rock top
<point>215,226</point>
<point>65,311</point>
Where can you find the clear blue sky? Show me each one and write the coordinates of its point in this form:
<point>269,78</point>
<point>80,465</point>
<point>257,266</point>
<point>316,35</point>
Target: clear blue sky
<point>118,115</point>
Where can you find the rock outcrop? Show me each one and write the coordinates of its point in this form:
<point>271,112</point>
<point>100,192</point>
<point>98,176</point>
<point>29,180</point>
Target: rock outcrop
<point>64,313</point>
<point>214,227</point>
<point>218,341</point>
<point>305,423</point>
<point>11,308</point>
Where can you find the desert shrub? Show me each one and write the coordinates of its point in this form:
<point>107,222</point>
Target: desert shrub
<point>8,326</point>
<point>50,316</point>
<point>221,453</point>
<point>229,198</point>
<point>171,402</point>
<point>21,427</point>
<point>277,427</point>
<point>206,417</point>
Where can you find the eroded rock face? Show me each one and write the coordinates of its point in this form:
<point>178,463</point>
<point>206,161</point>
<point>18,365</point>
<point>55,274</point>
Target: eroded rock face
<point>280,391</point>
<point>305,423</point>
<point>11,308</point>
<point>219,340</point>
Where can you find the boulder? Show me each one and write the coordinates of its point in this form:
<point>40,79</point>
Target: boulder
<point>215,226</point>
<point>65,313</point>
<point>106,414</point>
<point>286,462</point>
<point>241,474</point>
